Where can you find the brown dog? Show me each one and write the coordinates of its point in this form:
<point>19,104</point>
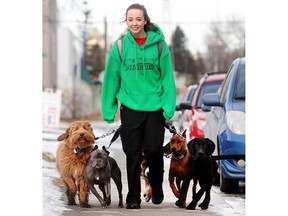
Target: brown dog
<point>178,163</point>
<point>71,159</point>
<point>177,172</point>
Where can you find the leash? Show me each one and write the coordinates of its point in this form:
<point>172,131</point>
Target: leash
<point>117,131</point>
<point>106,134</point>
<point>171,128</point>
<point>226,157</point>
<point>116,135</point>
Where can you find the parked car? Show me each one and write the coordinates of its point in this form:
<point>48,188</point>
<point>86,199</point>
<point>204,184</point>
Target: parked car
<point>225,125</point>
<point>209,83</point>
<point>180,120</point>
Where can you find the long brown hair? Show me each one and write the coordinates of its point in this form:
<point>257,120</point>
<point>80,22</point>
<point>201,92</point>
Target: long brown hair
<point>149,26</point>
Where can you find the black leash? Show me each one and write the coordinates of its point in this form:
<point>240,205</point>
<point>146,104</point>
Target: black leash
<point>117,131</point>
<point>115,136</point>
<point>227,157</point>
<point>107,134</point>
<point>171,128</point>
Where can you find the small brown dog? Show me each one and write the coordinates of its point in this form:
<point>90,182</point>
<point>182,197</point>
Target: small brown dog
<point>71,158</point>
<point>178,163</point>
<point>148,188</point>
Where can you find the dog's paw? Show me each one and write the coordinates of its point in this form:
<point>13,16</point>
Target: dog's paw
<point>180,203</point>
<point>104,205</point>
<point>191,206</point>
<point>85,205</point>
<point>147,197</point>
<point>203,206</point>
<point>108,201</point>
<point>71,201</point>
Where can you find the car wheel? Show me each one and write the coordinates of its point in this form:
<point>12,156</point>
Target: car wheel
<point>228,185</point>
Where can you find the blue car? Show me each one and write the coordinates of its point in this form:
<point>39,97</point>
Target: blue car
<point>225,125</point>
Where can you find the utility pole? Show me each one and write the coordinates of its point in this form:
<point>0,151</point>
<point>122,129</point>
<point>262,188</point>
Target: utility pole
<point>166,16</point>
<point>105,39</point>
<point>84,73</point>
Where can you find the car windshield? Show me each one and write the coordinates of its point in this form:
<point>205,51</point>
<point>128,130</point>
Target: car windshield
<point>209,87</point>
<point>240,84</point>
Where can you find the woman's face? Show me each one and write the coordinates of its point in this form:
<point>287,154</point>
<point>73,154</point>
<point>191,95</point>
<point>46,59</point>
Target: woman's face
<point>135,22</point>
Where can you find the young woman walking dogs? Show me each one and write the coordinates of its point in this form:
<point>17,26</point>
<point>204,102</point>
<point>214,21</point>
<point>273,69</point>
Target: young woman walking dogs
<point>140,76</point>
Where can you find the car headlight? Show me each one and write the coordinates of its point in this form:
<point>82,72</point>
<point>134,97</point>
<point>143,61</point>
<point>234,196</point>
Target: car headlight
<point>236,122</point>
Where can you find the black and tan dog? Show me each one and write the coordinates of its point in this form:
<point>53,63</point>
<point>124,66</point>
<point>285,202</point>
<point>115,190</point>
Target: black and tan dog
<point>99,170</point>
<point>201,166</point>
<point>178,164</point>
<point>177,149</point>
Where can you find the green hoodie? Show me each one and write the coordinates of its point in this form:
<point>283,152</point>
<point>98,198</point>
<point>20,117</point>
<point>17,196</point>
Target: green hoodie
<point>141,81</point>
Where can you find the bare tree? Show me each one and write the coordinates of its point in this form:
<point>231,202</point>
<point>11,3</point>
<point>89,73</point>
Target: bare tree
<point>225,42</point>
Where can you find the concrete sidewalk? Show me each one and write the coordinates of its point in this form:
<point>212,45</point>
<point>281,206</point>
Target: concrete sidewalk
<point>221,204</point>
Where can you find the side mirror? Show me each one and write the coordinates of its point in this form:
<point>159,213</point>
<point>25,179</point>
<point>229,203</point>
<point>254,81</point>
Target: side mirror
<point>185,105</point>
<point>211,99</point>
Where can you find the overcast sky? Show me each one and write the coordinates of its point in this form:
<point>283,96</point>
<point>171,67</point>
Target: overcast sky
<point>193,16</point>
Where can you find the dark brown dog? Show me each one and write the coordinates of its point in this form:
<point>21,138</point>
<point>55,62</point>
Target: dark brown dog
<point>178,164</point>
<point>71,159</point>
<point>177,148</point>
<point>201,166</point>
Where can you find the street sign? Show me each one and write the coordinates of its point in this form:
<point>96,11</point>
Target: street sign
<point>51,108</point>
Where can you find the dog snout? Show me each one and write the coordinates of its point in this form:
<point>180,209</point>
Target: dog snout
<point>173,149</point>
<point>201,153</point>
<point>81,134</point>
<point>99,161</point>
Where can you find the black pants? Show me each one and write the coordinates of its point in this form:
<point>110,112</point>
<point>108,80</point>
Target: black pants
<point>142,131</point>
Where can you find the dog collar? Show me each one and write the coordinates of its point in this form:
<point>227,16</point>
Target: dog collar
<point>78,150</point>
<point>180,157</point>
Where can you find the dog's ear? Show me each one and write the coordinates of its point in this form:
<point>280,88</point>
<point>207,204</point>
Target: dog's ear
<point>184,133</point>
<point>104,148</point>
<point>87,123</point>
<point>190,146</point>
<point>95,148</point>
<point>166,149</point>
<point>211,146</point>
<point>64,135</point>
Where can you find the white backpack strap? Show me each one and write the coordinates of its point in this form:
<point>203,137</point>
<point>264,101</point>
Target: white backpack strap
<point>119,45</point>
<point>159,45</point>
